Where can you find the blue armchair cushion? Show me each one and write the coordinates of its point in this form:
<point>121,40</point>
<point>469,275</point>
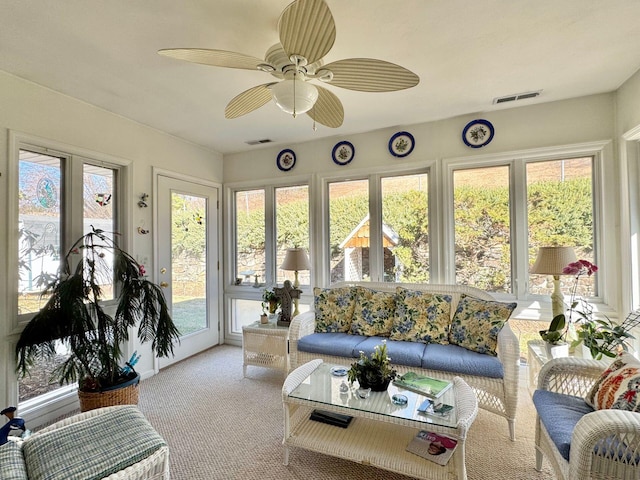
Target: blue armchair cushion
<point>455,359</point>
<point>559,413</point>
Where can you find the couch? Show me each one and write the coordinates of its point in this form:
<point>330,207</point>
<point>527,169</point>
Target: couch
<point>493,377</point>
<point>111,443</point>
<point>580,436</point>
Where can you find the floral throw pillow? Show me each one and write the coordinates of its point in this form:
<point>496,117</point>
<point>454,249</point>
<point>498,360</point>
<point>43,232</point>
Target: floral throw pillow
<point>334,308</point>
<point>421,317</point>
<point>374,313</point>
<point>618,387</point>
<point>477,323</point>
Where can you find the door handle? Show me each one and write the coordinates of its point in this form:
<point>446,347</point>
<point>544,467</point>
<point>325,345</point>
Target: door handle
<point>164,284</point>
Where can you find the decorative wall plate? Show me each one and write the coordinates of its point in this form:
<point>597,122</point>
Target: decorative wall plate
<point>285,160</point>
<point>343,152</point>
<point>401,144</point>
<point>477,133</point>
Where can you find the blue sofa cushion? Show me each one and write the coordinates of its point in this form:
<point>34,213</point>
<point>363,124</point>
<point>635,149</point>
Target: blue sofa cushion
<point>401,353</point>
<point>559,414</point>
<point>334,343</point>
<point>456,359</point>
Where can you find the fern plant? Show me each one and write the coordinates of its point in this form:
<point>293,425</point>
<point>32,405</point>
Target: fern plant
<point>75,315</point>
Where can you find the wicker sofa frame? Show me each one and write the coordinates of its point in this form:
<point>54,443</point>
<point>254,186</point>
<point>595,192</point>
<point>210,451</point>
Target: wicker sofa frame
<point>601,428</point>
<point>496,395</point>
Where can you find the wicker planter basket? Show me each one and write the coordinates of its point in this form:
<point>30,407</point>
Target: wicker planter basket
<point>123,394</point>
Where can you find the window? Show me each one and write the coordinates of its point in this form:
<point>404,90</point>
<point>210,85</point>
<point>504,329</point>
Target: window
<point>405,228</point>
<point>560,212</point>
<point>39,225</point>
<point>47,184</point>
<point>267,221</point>
<point>349,225</point>
<point>250,236</point>
<point>481,209</point>
<point>292,228</point>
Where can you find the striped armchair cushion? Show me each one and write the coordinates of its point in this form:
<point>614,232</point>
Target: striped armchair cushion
<point>12,465</point>
<point>93,448</point>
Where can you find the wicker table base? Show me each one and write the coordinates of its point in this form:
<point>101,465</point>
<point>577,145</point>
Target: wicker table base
<point>265,345</point>
<point>374,439</point>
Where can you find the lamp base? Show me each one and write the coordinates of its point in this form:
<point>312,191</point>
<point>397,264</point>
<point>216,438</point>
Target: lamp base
<point>557,299</point>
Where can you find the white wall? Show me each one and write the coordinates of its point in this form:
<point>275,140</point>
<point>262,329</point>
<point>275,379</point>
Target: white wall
<point>578,120</point>
<point>33,110</point>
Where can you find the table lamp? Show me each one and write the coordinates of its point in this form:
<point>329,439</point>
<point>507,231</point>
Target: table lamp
<point>551,261</point>
<point>296,259</point>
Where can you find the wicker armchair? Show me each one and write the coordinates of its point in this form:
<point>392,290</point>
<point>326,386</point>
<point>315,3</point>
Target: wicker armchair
<point>605,444</point>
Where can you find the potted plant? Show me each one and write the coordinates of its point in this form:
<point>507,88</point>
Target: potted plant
<point>75,315</point>
<point>373,372</point>
<point>269,297</point>
<point>555,337</point>
<point>604,338</point>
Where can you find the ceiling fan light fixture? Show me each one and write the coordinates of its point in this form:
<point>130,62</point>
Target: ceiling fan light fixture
<point>294,96</point>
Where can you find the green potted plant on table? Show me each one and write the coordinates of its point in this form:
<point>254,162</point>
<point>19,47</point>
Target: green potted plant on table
<point>271,300</point>
<point>75,315</point>
<point>373,372</point>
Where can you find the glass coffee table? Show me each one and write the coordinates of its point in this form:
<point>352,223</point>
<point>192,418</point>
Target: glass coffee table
<point>380,430</point>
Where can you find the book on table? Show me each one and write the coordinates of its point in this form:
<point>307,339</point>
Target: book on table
<point>331,418</point>
<point>433,446</point>
<point>422,384</point>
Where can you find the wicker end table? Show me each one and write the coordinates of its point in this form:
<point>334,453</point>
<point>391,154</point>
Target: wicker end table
<point>265,345</point>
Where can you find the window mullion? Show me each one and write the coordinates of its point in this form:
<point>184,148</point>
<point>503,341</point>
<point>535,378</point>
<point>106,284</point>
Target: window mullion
<point>519,235</point>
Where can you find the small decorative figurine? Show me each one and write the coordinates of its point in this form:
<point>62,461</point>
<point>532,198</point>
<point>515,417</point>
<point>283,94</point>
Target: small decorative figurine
<point>286,294</point>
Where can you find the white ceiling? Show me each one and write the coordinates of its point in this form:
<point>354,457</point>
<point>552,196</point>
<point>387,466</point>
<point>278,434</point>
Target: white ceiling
<point>465,53</point>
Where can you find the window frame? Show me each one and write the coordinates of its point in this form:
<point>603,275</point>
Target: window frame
<point>517,162</point>
<point>244,292</point>
<point>71,229</point>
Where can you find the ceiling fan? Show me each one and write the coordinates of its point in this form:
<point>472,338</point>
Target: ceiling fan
<point>307,32</point>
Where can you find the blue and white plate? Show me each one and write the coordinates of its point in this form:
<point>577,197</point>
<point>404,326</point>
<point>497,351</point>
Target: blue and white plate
<point>343,153</point>
<point>401,144</point>
<point>477,133</point>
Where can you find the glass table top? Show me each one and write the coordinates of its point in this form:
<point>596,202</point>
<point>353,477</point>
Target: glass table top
<point>324,388</point>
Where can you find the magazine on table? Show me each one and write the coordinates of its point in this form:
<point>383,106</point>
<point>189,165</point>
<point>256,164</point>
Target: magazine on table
<point>429,386</point>
<point>433,446</point>
<point>435,408</point>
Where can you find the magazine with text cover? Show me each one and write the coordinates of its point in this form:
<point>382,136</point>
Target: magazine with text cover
<point>433,446</point>
<point>429,386</point>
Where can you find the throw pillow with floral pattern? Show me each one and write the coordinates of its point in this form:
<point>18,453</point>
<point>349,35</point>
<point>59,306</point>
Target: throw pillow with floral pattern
<point>477,323</point>
<point>334,308</point>
<point>374,313</point>
<point>618,387</point>
<point>421,317</point>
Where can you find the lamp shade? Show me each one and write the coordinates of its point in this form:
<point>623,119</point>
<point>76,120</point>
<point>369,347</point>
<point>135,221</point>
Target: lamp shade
<point>294,96</point>
<point>296,259</point>
<point>551,260</point>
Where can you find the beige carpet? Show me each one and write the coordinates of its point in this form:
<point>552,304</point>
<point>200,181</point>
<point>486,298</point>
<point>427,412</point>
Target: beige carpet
<point>220,425</point>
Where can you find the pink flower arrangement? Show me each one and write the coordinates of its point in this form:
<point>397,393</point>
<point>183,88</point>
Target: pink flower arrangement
<point>142,270</point>
<point>581,267</point>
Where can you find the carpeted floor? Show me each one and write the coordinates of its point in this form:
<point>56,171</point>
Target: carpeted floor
<point>220,425</point>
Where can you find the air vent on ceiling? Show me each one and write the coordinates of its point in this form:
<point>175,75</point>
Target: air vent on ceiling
<point>518,96</point>
<point>258,142</point>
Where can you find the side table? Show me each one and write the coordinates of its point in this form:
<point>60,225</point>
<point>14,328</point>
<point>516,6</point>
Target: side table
<point>265,345</point>
<point>537,357</point>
